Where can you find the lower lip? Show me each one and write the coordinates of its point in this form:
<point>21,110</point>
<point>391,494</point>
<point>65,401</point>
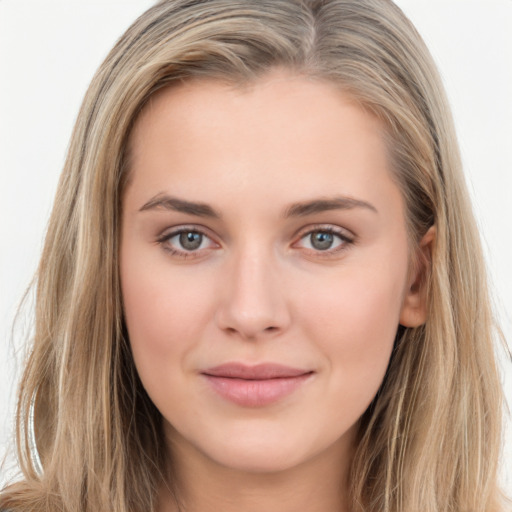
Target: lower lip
<point>256,393</point>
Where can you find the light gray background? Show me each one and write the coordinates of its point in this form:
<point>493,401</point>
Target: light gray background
<point>49,51</point>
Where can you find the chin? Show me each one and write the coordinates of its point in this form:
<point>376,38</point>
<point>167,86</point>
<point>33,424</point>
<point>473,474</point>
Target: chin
<point>260,459</point>
<point>265,448</point>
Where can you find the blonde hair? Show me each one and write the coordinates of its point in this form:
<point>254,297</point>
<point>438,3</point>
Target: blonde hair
<point>430,440</point>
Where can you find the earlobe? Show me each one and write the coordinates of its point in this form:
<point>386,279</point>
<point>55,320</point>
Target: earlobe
<point>414,306</point>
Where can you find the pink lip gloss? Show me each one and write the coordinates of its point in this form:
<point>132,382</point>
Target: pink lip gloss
<point>255,386</point>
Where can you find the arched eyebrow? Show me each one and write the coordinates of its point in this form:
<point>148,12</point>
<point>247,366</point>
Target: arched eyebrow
<point>301,209</point>
<point>165,202</point>
<point>321,205</point>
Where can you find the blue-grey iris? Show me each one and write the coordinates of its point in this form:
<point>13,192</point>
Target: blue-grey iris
<point>191,240</point>
<point>321,240</point>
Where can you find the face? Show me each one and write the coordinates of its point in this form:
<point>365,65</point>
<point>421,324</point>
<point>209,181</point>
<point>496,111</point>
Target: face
<point>264,268</point>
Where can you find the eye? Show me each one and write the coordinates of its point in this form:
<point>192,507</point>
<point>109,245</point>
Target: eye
<point>326,239</point>
<point>184,241</point>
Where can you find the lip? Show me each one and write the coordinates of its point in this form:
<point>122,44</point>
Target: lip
<point>255,386</point>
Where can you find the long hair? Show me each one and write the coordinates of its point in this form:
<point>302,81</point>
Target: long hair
<point>430,440</point>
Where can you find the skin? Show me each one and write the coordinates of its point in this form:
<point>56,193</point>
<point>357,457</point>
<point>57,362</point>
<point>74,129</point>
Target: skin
<point>257,289</point>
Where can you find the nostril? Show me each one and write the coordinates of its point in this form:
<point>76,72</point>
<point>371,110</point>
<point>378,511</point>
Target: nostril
<point>269,330</point>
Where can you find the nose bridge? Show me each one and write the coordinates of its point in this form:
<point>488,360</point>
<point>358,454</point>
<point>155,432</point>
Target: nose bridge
<point>253,302</point>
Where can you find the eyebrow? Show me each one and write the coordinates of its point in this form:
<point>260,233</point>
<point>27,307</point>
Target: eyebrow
<point>322,205</point>
<point>165,202</point>
<point>301,209</point>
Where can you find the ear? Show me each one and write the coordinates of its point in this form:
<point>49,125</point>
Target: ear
<point>414,306</point>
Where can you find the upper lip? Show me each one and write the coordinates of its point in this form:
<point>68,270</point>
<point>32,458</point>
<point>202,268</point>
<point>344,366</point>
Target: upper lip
<point>255,372</point>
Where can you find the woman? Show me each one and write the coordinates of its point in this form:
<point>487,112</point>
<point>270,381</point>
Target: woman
<point>262,285</point>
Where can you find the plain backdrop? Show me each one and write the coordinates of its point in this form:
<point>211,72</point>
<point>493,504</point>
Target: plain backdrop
<point>49,51</point>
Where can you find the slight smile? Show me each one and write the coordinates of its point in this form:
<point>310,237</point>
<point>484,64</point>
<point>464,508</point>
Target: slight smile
<point>255,386</point>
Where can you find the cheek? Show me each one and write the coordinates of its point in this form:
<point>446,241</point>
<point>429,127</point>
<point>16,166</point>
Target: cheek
<point>355,325</point>
<point>163,312</point>
<point>365,304</point>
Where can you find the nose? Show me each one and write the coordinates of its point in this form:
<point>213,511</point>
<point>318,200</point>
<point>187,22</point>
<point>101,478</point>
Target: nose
<point>253,299</point>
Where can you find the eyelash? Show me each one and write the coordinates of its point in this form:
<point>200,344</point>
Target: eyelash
<point>344,241</point>
<point>165,238</point>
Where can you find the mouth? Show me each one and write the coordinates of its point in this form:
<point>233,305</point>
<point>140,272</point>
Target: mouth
<point>255,386</point>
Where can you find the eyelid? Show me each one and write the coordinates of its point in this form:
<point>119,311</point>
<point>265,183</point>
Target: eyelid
<point>344,233</point>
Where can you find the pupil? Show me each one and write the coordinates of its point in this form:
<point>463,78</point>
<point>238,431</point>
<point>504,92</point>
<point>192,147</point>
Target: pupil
<point>322,240</point>
<point>190,240</point>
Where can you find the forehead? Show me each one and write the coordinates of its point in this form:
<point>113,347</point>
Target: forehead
<point>292,103</point>
<point>281,134</point>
